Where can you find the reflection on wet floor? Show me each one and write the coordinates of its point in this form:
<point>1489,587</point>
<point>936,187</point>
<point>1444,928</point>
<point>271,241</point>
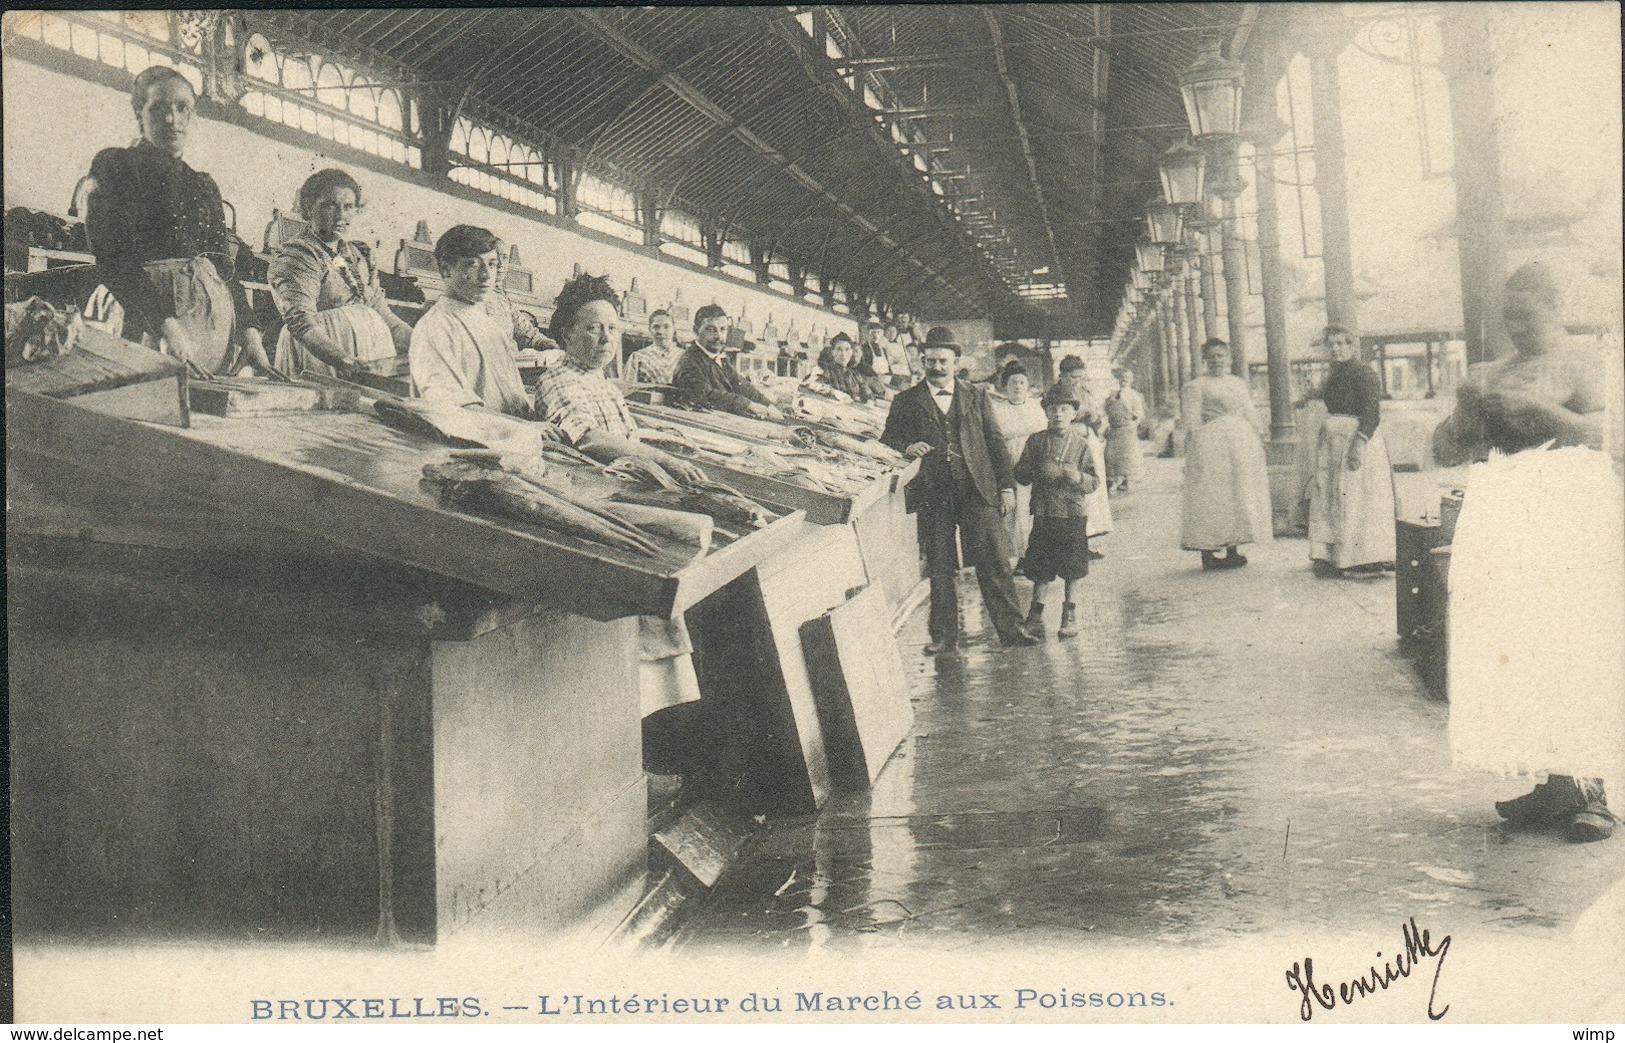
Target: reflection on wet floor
<point>1216,753</point>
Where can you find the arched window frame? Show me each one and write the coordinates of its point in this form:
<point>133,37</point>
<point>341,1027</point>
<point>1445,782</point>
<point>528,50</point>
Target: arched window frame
<point>298,86</point>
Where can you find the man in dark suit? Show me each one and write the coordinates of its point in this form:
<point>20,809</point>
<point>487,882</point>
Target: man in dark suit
<point>703,381</point>
<point>966,483</point>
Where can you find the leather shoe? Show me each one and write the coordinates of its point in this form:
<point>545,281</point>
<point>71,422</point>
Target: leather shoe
<point>1548,805</point>
<point>1593,822</point>
<point>1019,639</point>
<point>941,647</point>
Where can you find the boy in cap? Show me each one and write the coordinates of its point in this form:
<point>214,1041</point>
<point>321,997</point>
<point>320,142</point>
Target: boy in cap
<point>1058,464</point>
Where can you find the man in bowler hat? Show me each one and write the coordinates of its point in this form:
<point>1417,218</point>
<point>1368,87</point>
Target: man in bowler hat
<point>965,485</point>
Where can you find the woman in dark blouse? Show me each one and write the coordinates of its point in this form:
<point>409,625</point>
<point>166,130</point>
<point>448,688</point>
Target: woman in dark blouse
<point>158,230</point>
<point>1351,504</point>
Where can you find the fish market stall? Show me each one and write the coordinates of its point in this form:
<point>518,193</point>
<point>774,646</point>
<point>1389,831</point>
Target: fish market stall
<point>334,671</point>
<point>827,462</point>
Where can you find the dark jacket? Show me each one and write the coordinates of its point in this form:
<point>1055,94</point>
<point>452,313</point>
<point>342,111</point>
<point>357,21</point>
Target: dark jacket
<point>703,384</point>
<point>1058,495</point>
<point>146,205</point>
<point>915,418</point>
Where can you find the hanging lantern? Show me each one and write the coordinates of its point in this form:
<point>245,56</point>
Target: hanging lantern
<point>1182,169</point>
<point>1211,88</point>
<point>1164,224</point>
<point>1150,256</point>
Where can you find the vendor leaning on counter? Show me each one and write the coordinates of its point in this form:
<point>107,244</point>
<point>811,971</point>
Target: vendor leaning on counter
<point>462,354</point>
<point>158,231</point>
<point>704,381</point>
<point>335,319</point>
<point>576,397</point>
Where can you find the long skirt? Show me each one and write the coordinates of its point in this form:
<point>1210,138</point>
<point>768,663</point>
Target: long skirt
<point>1227,489</point>
<point>1096,504</point>
<point>356,328</point>
<point>202,305</point>
<point>1123,452</point>
<point>1351,513</point>
<point>1537,617</point>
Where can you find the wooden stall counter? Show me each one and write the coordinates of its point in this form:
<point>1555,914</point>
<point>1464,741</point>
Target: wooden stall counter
<point>264,684</point>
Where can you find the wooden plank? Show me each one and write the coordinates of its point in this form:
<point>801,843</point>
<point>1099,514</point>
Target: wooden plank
<point>98,362</point>
<point>861,688</point>
<point>704,840</point>
<point>155,401</point>
<point>353,481</point>
<point>230,397</point>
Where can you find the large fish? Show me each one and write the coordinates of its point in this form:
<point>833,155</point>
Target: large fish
<point>487,489</point>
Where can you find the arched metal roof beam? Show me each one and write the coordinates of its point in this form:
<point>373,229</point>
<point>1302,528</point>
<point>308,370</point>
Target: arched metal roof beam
<point>1034,180</point>
<point>594,21</point>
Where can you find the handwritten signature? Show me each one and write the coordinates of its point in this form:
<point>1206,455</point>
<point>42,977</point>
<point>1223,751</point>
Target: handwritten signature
<point>1419,946</point>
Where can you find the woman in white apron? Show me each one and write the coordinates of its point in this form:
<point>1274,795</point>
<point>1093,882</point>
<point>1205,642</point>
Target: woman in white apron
<point>1351,503</point>
<point>158,231</point>
<point>335,319</point>
<point>1227,490</point>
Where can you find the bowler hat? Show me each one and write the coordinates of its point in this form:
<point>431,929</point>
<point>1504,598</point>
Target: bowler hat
<point>940,337</point>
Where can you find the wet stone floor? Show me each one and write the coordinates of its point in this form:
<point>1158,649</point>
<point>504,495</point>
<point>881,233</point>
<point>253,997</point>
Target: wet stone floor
<point>1217,753</point>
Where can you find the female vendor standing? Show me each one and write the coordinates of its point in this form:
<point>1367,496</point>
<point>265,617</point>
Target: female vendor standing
<point>335,319</point>
<point>158,230</point>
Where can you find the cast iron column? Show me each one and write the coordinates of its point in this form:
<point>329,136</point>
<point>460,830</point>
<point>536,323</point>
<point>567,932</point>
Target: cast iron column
<point>1174,295</point>
<point>1265,131</point>
<point>1210,286</point>
<point>1193,319</point>
<point>1480,214</point>
<point>1331,185</point>
<point>1228,187</point>
<point>1170,402</point>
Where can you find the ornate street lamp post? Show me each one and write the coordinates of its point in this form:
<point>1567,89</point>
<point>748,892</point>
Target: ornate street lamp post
<point>1211,89</point>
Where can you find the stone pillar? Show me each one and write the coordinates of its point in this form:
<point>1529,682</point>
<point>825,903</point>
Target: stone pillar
<point>1481,238</point>
<point>1331,185</point>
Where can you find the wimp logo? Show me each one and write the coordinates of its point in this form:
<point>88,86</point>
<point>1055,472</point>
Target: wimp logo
<point>1601,1035</point>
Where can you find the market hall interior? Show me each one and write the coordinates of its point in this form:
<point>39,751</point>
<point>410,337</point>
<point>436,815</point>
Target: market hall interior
<point>637,648</point>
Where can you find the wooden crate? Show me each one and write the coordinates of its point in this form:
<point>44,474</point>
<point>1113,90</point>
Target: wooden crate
<point>860,687</point>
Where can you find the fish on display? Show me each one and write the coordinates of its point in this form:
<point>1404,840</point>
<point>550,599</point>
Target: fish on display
<point>483,486</point>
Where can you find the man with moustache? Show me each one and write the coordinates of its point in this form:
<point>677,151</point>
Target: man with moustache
<point>965,485</point>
